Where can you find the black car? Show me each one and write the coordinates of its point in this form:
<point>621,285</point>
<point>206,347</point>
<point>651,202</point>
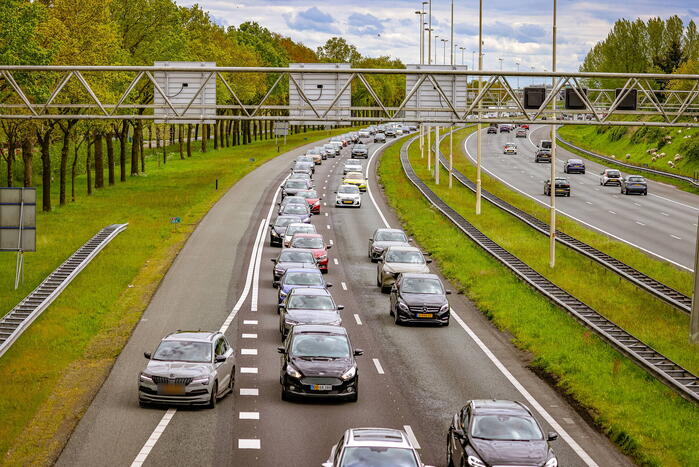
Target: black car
<point>492,130</point>
<point>308,306</point>
<point>379,137</point>
<point>293,186</point>
<point>419,298</point>
<point>634,184</point>
<point>278,228</point>
<point>318,361</point>
<point>292,258</point>
<point>360,150</point>
<point>562,187</point>
<point>505,128</point>
<point>498,432</point>
<point>542,155</point>
<point>390,132</point>
<point>574,166</point>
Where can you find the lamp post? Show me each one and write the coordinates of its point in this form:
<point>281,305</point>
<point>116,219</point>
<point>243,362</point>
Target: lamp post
<point>480,107</point>
<point>451,49</point>
<point>436,36</point>
<point>473,59</point>
<point>419,31</point>
<point>444,51</point>
<point>462,54</point>
<point>517,63</point>
<point>554,81</point>
<point>429,35</point>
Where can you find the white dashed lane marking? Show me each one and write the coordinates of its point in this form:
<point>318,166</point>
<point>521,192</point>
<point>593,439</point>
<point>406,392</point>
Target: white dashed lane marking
<point>328,226</point>
<point>640,223</point>
<point>249,392</point>
<point>357,319</point>
<point>248,444</point>
<point>664,214</point>
<point>675,237</point>
<point>249,415</point>
<point>335,261</point>
<point>248,351</point>
<point>249,370</point>
<point>251,335</point>
<point>344,286</point>
<point>378,366</point>
<point>252,322</point>
<point>411,436</point>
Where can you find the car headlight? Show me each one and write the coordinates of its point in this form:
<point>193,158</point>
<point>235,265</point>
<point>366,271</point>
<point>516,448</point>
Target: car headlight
<point>145,378</point>
<point>403,306</point>
<point>553,462</point>
<point>293,372</point>
<point>290,321</point>
<point>317,203</point>
<point>349,374</point>
<point>322,257</point>
<point>203,379</point>
<point>444,307</point>
<point>274,233</point>
<point>337,322</point>
<point>473,461</point>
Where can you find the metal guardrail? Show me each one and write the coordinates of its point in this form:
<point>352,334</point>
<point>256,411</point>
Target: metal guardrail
<point>662,368</point>
<point>14,323</point>
<point>639,279</point>
<point>684,178</point>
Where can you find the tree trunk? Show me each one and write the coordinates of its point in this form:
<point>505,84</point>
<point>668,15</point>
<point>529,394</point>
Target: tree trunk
<point>99,161</point>
<point>204,137</point>
<point>122,149</point>
<point>45,142</point>
<point>10,159</point>
<point>72,172</point>
<point>189,140</point>
<point>134,151</point>
<point>27,160</point>
<point>141,151</point>
<point>150,136</point>
<point>196,132</point>
<point>157,137</point>
<point>215,127</point>
<point>110,157</point>
<point>64,166</point>
<point>88,168</point>
<point>180,140</point>
<point>164,145</point>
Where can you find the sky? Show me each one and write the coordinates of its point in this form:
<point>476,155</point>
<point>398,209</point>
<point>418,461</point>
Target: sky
<point>516,31</point>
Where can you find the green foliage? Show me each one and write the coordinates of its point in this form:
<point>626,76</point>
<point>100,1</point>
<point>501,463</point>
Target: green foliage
<point>337,50</point>
<point>690,149</point>
<point>616,133</point>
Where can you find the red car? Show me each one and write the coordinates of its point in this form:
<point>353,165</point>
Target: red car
<point>312,198</point>
<point>315,243</point>
<point>525,126</point>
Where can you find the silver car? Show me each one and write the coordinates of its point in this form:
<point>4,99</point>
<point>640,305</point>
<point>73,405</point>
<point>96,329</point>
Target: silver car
<point>384,238</point>
<point>188,367</point>
<point>374,446</point>
<point>396,260</point>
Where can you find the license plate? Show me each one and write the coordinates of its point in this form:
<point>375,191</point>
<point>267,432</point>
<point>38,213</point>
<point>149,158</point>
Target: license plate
<point>348,201</point>
<point>321,387</point>
<point>636,184</point>
<point>424,315</point>
<point>171,389</point>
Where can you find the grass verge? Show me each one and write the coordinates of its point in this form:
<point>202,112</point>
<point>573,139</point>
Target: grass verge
<point>53,371</point>
<point>645,418</point>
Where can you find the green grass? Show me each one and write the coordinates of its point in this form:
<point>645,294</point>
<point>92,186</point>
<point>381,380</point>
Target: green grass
<point>51,373</point>
<point>645,418</point>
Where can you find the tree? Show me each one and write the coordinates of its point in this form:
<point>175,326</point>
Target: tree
<point>337,50</point>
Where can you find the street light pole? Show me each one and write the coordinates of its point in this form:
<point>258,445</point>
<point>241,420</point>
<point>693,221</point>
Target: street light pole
<point>480,107</point>
<point>517,63</point>
<point>419,31</point>
<point>429,36</point>
<point>444,51</point>
<point>452,33</point>
<point>462,54</point>
<point>422,33</point>
<point>552,191</point>
<point>436,36</point>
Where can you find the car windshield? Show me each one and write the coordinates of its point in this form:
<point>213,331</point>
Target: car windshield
<point>284,221</point>
<point>311,302</point>
<point>613,173</point>
<point>305,228</point>
<point>291,256</point>
<point>329,146</point>
<point>308,194</point>
<point>506,427</point>
<point>295,184</point>
<point>295,209</point>
<point>359,146</point>
<point>636,179</point>
<point>307,242</point>
<point>354,176</point>
<point>369,456</point>
<point>304,158</point>
<point>315,345</point>
<point>561,181</point>
<point>348,190</point>
<point>426,286</point>
<point>404,256</point>
<point>303,278</point>
<point>183,351</point>
<point>293,200</point>
<point>390,237</point>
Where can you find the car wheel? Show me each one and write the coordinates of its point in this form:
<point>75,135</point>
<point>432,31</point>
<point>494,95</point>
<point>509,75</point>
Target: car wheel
<point>396,318</point>
<point>212,401</point>
<point>385,289</point>
<point>645,193</point>
<point>231,381</point>
<point>285,395</point>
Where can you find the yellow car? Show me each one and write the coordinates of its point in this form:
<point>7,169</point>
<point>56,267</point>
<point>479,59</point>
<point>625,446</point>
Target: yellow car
<point>356,179</point>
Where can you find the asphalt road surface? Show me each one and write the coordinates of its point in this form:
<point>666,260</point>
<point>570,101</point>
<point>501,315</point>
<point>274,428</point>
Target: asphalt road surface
<point>662,224</point>
<point>412,378</point>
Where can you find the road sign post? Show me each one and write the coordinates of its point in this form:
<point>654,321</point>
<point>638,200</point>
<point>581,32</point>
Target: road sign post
<point>18,224</point>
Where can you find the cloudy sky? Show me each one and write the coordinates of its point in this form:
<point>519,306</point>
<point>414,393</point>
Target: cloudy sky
<point>516,31</point>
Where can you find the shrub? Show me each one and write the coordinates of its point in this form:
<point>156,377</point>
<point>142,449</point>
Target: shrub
<point>616,133</point>
<point>690,148</point>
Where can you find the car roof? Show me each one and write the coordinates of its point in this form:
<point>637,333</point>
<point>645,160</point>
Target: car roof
<point>307,235</point>
<point>499,405</point>
<point>200,336</point>
<point>297,250</point>
<point>347,185</point>
<point>383,437</point>
<point>318,328</point>
<point>383,229</point>
<point>299,224</point>
<point>306,270</point>
<point>417,275</point>
<point>288,216</point>
<point>310,291</point>
<point>403,248</point>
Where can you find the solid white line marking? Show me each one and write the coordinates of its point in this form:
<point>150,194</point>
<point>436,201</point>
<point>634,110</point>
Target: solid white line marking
<point>331,242</point>
<point>249,415</point>
<point>344,286</point>
<point>326,214</point>
<point>368,185</point>
<point>249,335</point>
<point>252,322</point>
<point>664,214</point>
<point>145,450</point>
<point>612,212</point>
<point>249,370</point>
<point>675,237</point>
<point>328,226</point>
<point>587,202</point>
<point>411,436</point>
<point>640,223</point>
<point>673,201</point>
<point>248,351</point>
<point>335,261</point>
<point>378,366</point>
<point>248,444</point>
<point>249,392</point>
<point>521,389</point>
<point>357,319</point>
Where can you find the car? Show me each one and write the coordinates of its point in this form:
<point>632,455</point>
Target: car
<point>374,447</point>
<point>333,149</point>
<point>384,238</point>
<point>299,277</point>
<point>328,153</point>
<point>492,130</point>
<point>312,198</point>
<point>308,306</point>
<point>298,227</point>
<point>542,155</point>
<point>277,229</point>
<point>292,258</point>
<point>314,242</point>
<point>396,260</point>
<point>360,150</point>
<point>352,166</point>
<point>574,166</point>
<point>525,126</point>
<point>379,137</point>
<point>390,132</point>
<point>364,133</point>
<point>520,133</point>
<point>305,158</point>
<point>355,178</point>
<point>318,361</point>
<point>348,196</point>
<point>300,210</point>
<point>294,185</point>
<point>498,432</point>
<point>304,167</point>
<point>610,177</point>
<point>317,157</point>
<point>419,298</point>
<point>290,200</point>
<point>562,187</point>
<point>188,367</point>
<point>545,144</point>
<point>505,128</point>
<point>510,148</point>
<point>634,184</point>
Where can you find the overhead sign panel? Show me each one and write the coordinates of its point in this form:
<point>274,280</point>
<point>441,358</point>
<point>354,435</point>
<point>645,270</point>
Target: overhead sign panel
<point>436,98</point>
<point>17,219</point>
<point>318,91</point>
<point>192,94</point>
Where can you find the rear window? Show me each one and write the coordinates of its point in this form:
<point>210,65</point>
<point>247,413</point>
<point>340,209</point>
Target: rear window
<point>636,179</point>
<point>308,242</point>
<point>613,173</point>
<point>291,256</point>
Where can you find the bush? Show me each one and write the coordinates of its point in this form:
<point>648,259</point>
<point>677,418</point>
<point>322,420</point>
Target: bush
<point>616,133</point>
<point>649,134</point>
<point>690,148</point>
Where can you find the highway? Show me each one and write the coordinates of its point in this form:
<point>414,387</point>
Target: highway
<point>662,224</point>
<point>413,378</point>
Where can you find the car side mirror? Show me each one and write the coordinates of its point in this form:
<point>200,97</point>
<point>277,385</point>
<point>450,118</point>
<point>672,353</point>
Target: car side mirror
<point>147,355</point>
<point>358,352</point>
<point>428,260</point>
<point>275,284</point>
<point>327,247</point>
<point>335,192</point>
<point>220,358</point>
<point>410,240</point>
<point>281,349</point>
<point>274,260</point>
<point>448,292</point>
<point>371,239</point>
<point>340,307</point>
<point>281,305</point>
<point>271,225</point>
<point>552,436</point>
<point>458,433</point>
<point>328,285</point>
